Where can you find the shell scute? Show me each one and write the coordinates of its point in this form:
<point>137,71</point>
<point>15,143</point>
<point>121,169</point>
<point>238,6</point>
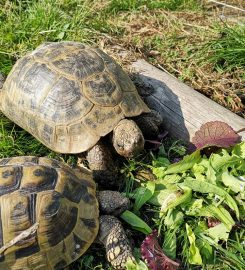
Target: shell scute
<point>119,75</point>
<point>17,218</point>
<point>35,84</point>
<point>21,67</point>
<point>38,178</point>
<point>60,265</point>
<point>47,134</point>
<point>74,189</point>
<point>101,122</point>
<point>57,219</point>
<point>132,105</point>
<point>42,54</point>
<point>77,137</point>
<point>10,179</point>
<point>79,63</point>
<point>64,102</point>
<point>102,90</point>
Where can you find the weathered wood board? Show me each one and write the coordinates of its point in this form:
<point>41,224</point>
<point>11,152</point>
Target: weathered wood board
<point>183,109</point>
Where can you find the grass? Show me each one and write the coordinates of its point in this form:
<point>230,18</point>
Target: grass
<point>227,51</point>
<point>173,42</point>
<point>169,34</point>
<point>15,142</point>
<point>116,6</point>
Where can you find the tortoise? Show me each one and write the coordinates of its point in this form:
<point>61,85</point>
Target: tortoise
<point>50,215</point>
<point>69,95</point>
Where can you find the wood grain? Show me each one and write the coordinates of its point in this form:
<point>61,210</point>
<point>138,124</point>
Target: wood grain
<point>183,109</point>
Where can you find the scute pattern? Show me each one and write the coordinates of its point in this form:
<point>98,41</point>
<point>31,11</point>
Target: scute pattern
<point>102,90</point>
<point>103,121</point>
<point>38,178</point>
<point>79,63</point>
<point>64,102</point>
<point>68,95</point>
<point>48,192</point>
<point>11,178</point>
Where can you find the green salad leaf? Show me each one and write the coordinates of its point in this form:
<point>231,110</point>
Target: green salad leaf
<point>136,222</point>
<point>143,194</point>
<point>205,187</point>
<point>188,162</point>
<point>194,253</point>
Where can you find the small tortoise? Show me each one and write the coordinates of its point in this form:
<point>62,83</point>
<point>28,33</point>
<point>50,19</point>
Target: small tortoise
<point>69,95</point>
<point>50,216</point>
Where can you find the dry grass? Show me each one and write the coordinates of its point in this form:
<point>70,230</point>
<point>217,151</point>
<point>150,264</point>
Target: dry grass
<point>172,40</point>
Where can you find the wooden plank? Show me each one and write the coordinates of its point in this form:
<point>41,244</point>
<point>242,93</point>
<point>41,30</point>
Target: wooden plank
<point>183,109</point>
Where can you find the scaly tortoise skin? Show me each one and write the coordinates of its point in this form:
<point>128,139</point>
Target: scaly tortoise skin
<point>63,203</point>
<point>68,95</point>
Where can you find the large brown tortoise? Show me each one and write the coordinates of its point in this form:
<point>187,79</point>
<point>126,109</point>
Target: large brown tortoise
<point>68,95</point>
<point>49,216</point>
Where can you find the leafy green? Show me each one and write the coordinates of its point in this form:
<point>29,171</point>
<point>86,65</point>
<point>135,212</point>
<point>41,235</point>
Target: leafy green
<point>143,194</point>
<point>189,193</point>
<point>194,253</point>
<point>170,243</point>
<point>205,187</point>
<point>160,196</point>
<point>176,198</point>
<point>173,219</point>
<point>223,160</point>
<point>220,213</point>
<point>233,182</point>
<point>136,222</point>
<point>206,251</point>
<point>130,265</point>
<point>218,232</point>
<point>239,150</point>
<point>185,164</point>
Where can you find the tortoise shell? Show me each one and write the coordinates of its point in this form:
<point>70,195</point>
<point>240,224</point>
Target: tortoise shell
<point>60,200</point>
<point>68,95</point>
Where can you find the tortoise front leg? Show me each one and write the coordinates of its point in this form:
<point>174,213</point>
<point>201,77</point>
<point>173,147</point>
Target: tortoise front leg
<point>103,167</point>
<point>114,238</point>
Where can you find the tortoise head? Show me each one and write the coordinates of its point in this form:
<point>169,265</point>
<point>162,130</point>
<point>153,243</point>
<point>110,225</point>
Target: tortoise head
<point>127,138</point>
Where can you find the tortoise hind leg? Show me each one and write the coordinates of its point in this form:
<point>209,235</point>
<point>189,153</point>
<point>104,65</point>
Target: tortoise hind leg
<point>113,236</point>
